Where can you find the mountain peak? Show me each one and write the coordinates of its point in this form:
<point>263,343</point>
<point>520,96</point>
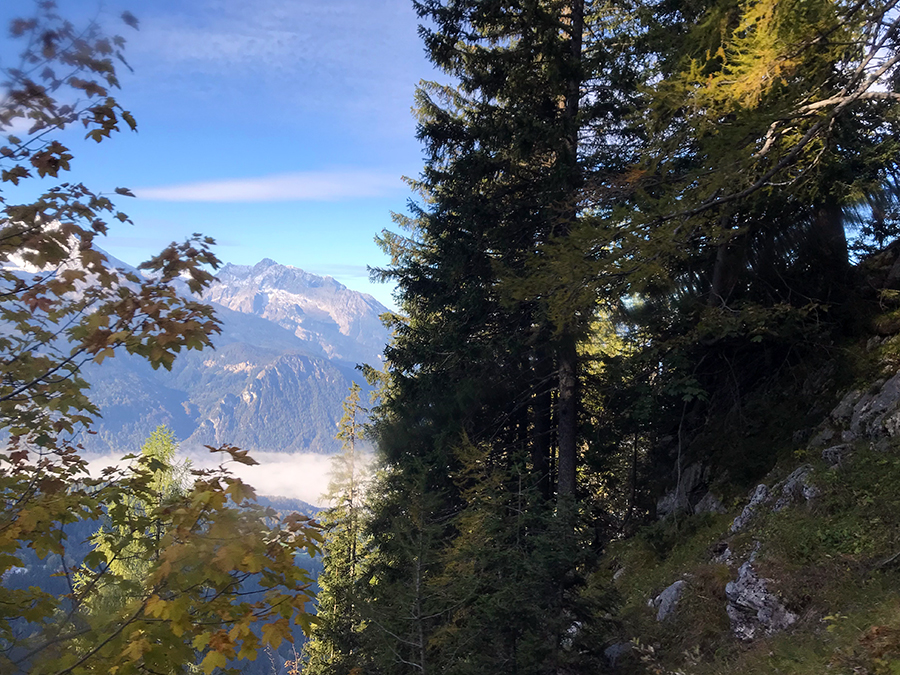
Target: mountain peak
<point>344,324</point>
<point>270,274</point>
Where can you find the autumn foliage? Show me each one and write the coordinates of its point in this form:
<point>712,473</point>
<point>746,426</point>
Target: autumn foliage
<point>220,580</point>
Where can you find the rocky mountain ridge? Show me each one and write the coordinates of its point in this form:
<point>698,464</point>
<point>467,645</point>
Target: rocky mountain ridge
<point>342,324</point>
<point>275,381</point>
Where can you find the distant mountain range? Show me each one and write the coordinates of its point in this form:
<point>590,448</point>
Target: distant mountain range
<point>275,382</point>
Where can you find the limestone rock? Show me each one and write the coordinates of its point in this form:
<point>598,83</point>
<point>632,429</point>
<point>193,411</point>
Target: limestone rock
<point>615,652</point>
<point>759,496</point>
<point>722,554</point>
<point>822,437</point>
<point>795,487</point>
<point>667,504</point>
<point>679,499</point>
<point>752,608</point>
<point>836,455</point>
<point>666,601</point>
<point>844,409</point>
<point>709,504</point>
<point>876,415</point>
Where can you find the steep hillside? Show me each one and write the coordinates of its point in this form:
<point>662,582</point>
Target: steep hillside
<point>797,571</point>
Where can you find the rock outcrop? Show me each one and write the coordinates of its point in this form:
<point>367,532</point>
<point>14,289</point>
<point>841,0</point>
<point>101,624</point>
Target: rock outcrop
<point>753,609</point>
<point>757,499</point>
<point>688,493</point>
<point>666,601</point>
<point>872,415</point>
<point>796,487</point>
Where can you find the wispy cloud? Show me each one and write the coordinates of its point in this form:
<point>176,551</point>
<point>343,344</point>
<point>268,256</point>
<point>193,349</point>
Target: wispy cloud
<point>342,57</point>
<point>302,186</point>
<point>340,270</point>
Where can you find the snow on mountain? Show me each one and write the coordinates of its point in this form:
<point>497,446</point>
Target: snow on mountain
<point>343,324</point>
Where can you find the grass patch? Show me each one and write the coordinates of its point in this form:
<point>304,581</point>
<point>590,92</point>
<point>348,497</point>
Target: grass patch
<point>832,562</point>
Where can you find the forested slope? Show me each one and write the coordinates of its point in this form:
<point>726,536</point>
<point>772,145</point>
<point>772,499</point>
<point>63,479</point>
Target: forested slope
<point>640,266</point>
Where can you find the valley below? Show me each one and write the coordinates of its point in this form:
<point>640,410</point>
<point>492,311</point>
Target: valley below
<point>272,385</point>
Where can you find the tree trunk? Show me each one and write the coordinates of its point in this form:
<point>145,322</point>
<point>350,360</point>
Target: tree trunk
<point>542,412</point>
<point>727,270</point>
<point>829,250</point>
<point>568,417</point>
<point>567,355</point>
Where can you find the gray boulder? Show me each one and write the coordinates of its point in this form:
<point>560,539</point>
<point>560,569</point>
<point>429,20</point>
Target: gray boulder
<point>795,487</point>
<point>877,415</point>
<point>836,455</point>
<point>726,557</point>
<point>757,499</point>
<point>616,651</point>
<point>678,500</point>
<point>848,436</point>
<point>709,504</point>
<point>752,608</point>
<point>666,601</point>
<point>844,410</point>
<point>822,437</point>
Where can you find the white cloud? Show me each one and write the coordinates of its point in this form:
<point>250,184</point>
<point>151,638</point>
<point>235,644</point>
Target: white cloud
<point>289,33</point>
<point>301,186</point>
<point>302,54</point>
<point>300,476</point>
<point>341,271</point>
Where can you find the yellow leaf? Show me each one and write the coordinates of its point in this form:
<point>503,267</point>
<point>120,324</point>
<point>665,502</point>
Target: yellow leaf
<point>155,607</point>
<point>252,563</point>
<point>248,654</point>
<point>135,650</point>
<point>212,661</point>
<point>274,633</point>
<point>105,354</point>
<point>201,640</point>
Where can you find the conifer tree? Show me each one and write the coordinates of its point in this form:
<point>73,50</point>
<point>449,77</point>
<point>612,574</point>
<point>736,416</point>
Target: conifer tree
<point>333,647</point>
<point>404,607</point>
<point>487,354</point>
<point>132,556</point>
<point>768,123</point>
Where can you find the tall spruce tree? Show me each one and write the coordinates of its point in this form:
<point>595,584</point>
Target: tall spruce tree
<point>487,354</point>
<point>502,185</point>
<point>333,646</point>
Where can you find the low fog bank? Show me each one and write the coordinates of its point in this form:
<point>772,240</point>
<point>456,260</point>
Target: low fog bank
<point>302,476</point>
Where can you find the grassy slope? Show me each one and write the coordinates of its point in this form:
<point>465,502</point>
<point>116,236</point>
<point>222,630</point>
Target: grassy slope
<point>827,559</point>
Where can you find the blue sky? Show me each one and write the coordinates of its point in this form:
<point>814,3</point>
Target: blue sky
<point>281,128</point>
